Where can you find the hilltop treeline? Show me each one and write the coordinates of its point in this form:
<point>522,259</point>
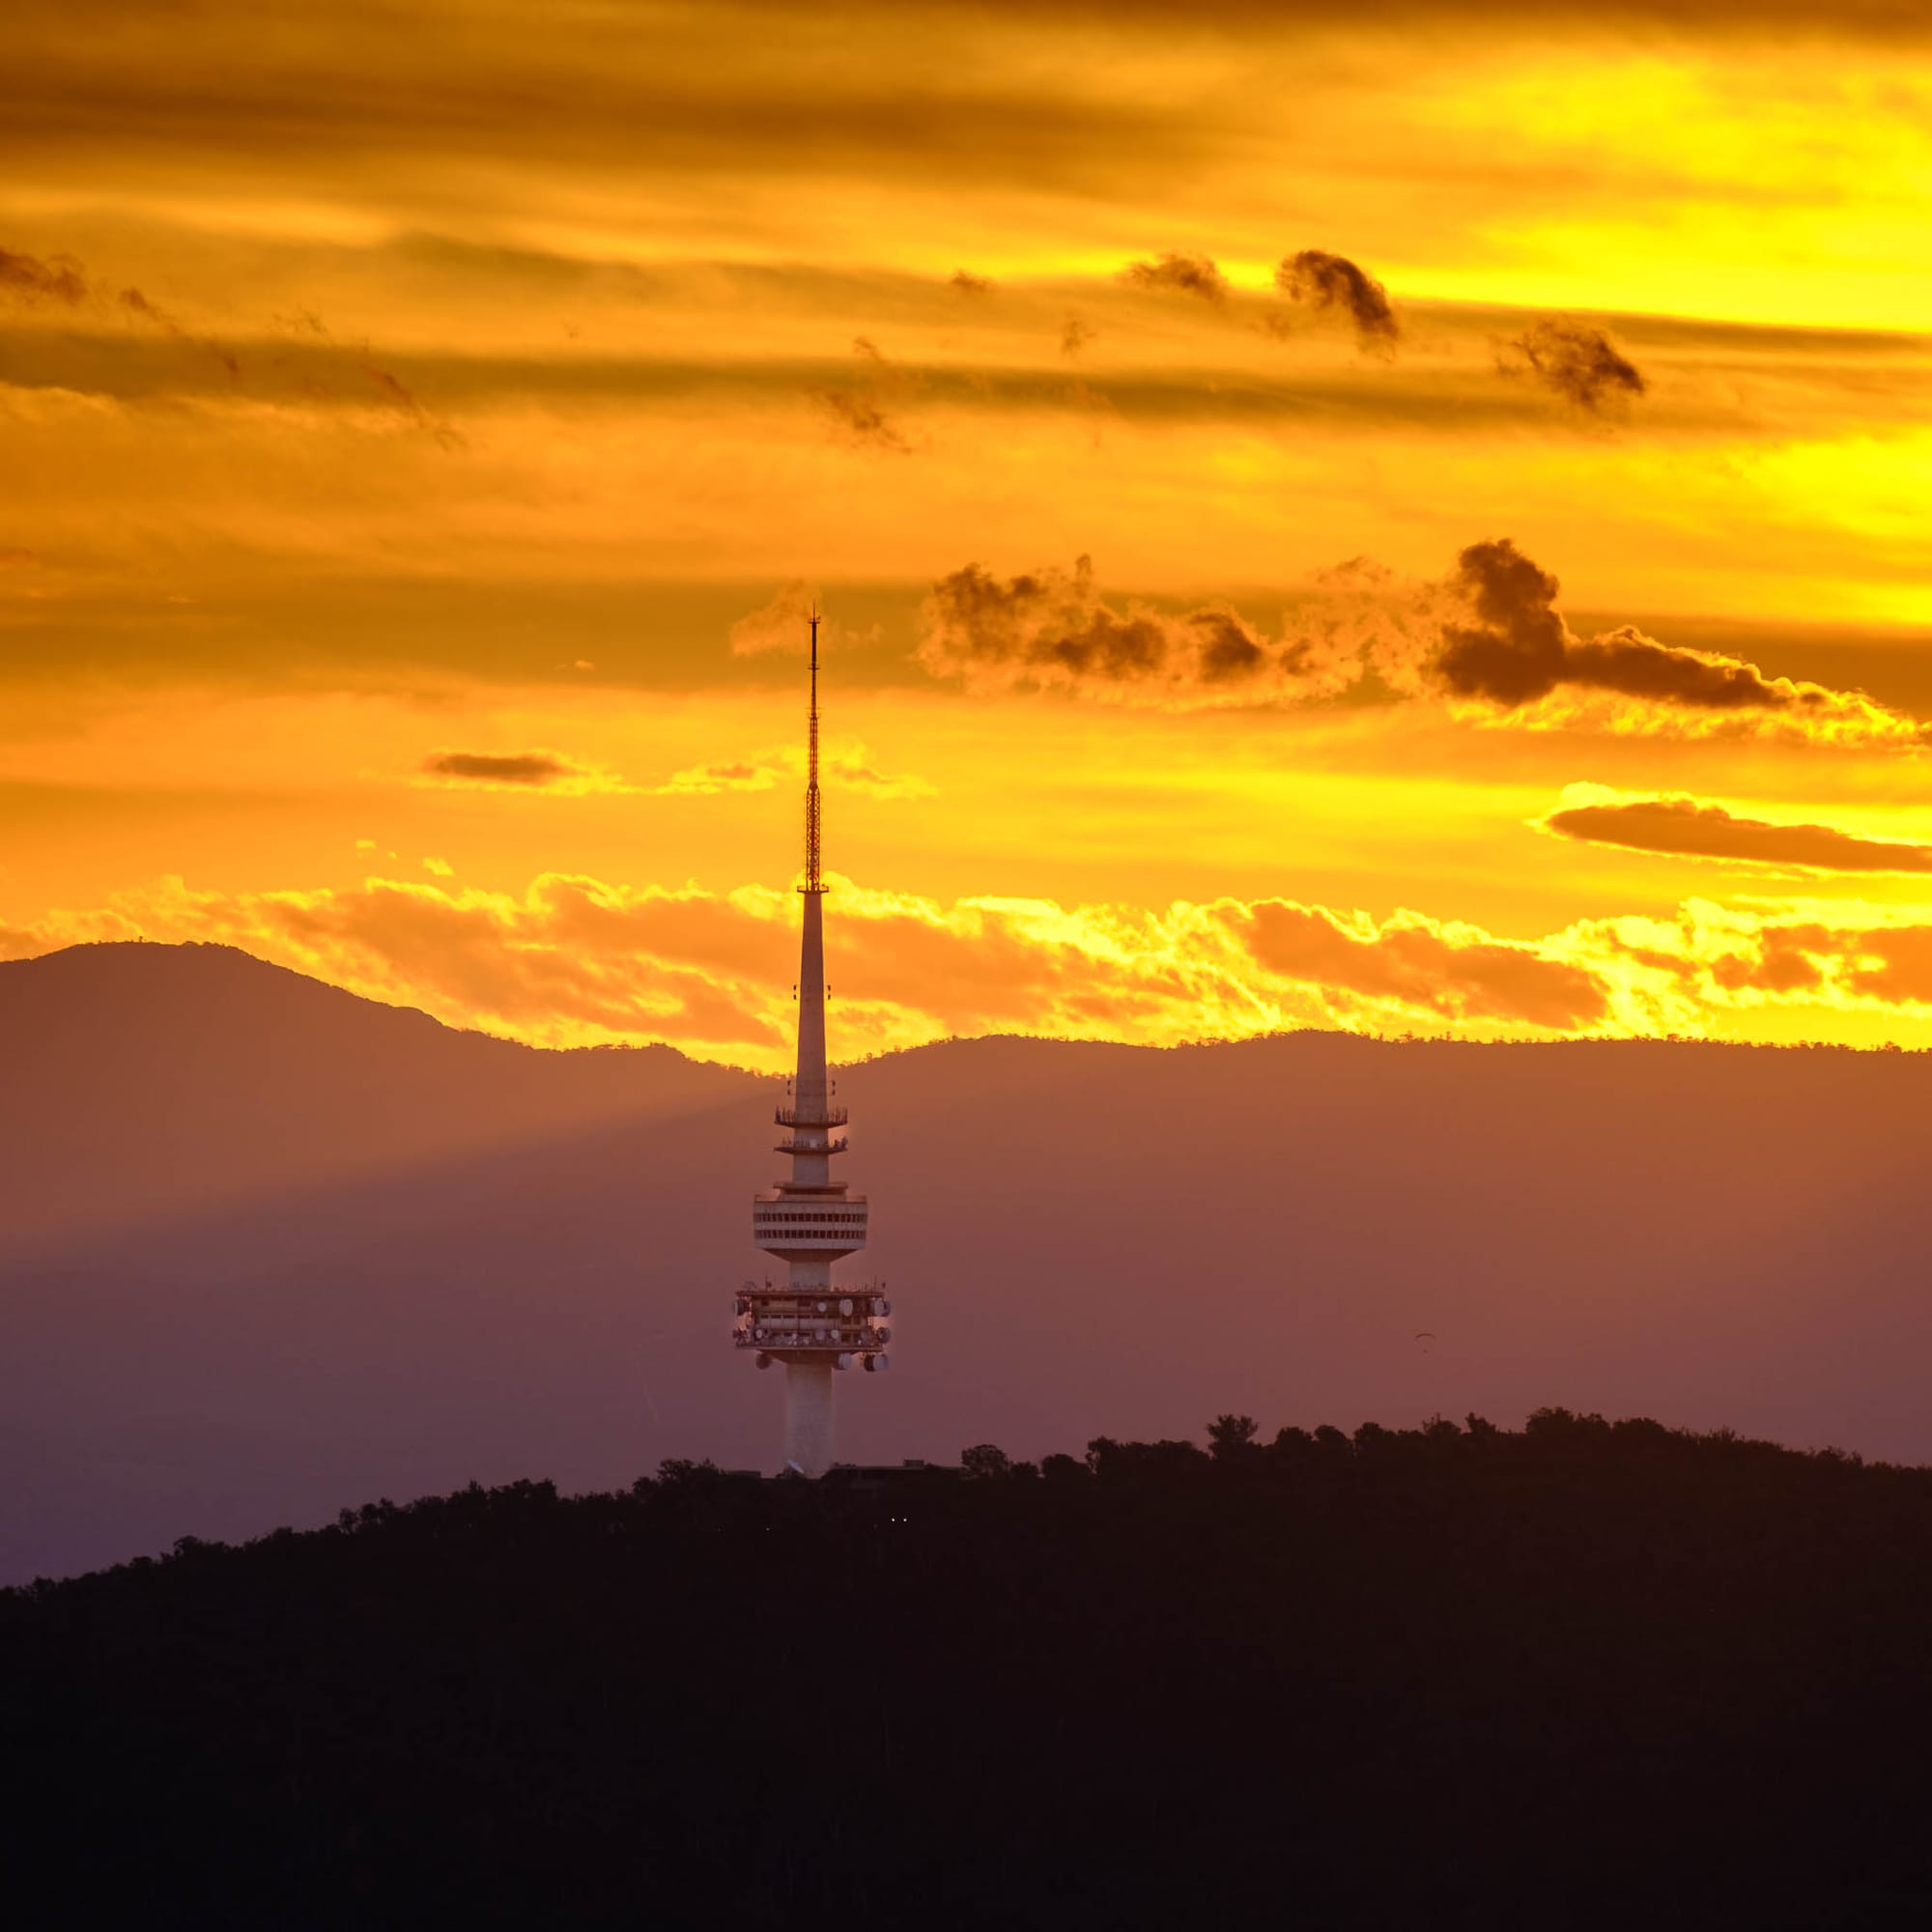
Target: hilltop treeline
<point>1580,1674</point>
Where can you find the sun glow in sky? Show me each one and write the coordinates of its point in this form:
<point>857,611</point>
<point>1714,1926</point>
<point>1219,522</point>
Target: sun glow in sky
<point>1408,516</point>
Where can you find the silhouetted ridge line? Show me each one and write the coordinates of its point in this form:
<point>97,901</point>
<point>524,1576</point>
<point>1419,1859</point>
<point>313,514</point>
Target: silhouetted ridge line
<point>1585,1673</point>
<point>145,1080</point>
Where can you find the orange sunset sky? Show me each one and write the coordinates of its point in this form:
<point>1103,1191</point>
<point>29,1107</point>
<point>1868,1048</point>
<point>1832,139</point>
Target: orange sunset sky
<point>1402,517</point>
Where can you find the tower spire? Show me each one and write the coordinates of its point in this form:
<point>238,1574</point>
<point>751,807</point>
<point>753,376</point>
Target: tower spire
<point>814,883</point>
<point>808,1324</point>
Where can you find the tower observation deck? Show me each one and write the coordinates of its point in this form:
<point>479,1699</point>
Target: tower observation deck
<point>808,1324</point>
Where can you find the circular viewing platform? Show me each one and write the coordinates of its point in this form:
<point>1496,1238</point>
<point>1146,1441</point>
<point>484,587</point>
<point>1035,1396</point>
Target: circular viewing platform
<point>806,1146</point>
<point>810,1117</point>
<point>848,1320</point>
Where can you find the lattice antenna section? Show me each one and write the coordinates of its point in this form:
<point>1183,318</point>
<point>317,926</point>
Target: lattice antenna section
<point>814,882</point>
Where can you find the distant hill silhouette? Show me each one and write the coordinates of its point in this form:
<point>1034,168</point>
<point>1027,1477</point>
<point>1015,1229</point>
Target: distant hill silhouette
<point>264,1245</point>
<point>1588,1676</point>
<point>153,1080</point>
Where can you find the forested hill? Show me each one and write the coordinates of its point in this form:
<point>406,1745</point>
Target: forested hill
<point>1581,1675</point>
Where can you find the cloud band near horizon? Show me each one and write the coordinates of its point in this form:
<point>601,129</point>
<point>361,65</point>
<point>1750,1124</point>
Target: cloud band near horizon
<point>576,961</point>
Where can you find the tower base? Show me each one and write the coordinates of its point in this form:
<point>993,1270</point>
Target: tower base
<point>807,1439</point>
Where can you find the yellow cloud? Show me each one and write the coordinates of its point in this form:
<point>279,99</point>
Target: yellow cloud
<point>537,771</point>
<point>575,961</point>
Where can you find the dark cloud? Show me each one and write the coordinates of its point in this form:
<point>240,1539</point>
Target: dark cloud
<point>402,399</point>
<point>1074,336</point>
<point>1519,649</point>
<point>863,415</point>
<point>1318,280</point>
<point>56,278</point>
<point>863,422</point>
<point>394,393</point>
<point>317,373</point>
<point>62,278</point>
<point>1573,361</point>
<point>969,284</point>
<point>1049,627</point>
<point>136,303</point>
<point>1491,633</point>
<point>1686,828</point>
<point>1457,398</point>
<point>151,312</point>
<point>393,390</point>
<point>1181,274</point>
<point>1626,659</point>
<point>515,768</point>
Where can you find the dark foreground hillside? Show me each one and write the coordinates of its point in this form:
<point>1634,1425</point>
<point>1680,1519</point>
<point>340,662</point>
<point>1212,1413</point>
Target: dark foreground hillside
<point>1581,1675</point>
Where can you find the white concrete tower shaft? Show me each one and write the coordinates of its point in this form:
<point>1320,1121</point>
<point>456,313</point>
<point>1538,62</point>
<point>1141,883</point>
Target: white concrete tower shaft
<point>809,1326</point>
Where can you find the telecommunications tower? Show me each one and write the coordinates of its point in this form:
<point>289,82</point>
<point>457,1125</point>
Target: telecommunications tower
<point>811,1325</point>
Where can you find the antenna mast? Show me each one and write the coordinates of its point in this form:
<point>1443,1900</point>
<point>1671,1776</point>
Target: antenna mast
<point>814,883</point>
<point>808,1324</point>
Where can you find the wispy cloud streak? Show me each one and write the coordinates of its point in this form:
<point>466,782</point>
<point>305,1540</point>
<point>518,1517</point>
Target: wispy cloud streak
<point>1689,828</point>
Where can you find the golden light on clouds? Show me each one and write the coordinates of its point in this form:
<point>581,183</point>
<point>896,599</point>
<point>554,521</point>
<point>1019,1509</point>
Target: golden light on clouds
<point>1406,518</point>
<point>574,961</point>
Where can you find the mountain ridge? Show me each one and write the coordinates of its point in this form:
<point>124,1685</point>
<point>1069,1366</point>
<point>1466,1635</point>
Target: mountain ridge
<point>180,1062</point>
<point>427,1255</point>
